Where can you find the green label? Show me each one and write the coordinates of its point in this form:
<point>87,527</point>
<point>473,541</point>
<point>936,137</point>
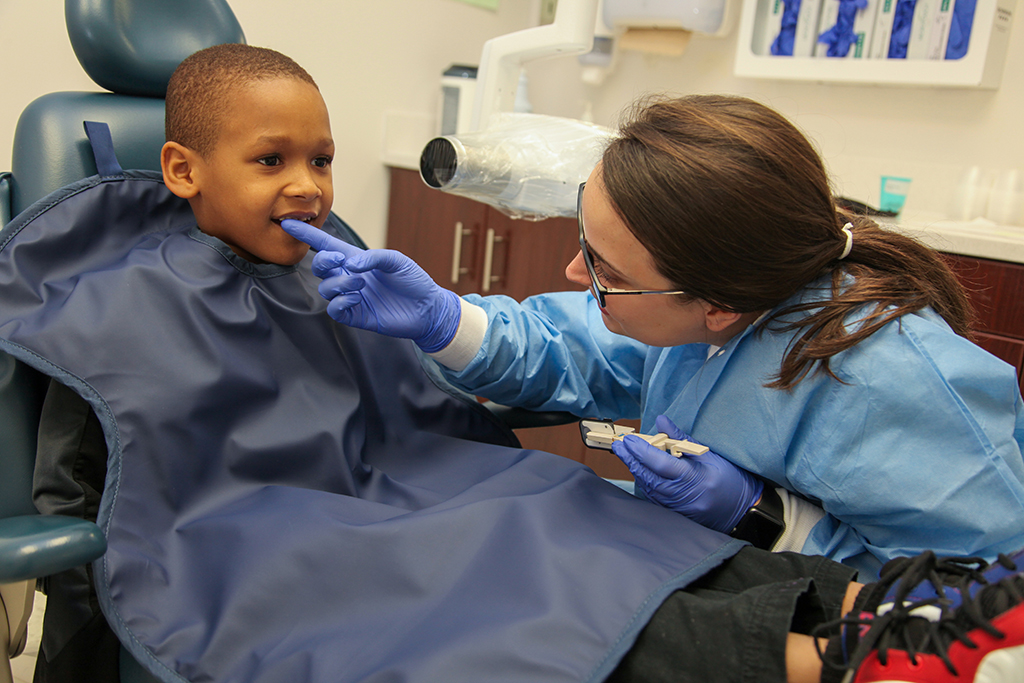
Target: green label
<point>945,6</point>
<point>887,7</point>
<point>858,50</point>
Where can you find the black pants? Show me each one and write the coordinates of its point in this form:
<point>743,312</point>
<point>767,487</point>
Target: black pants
<point>71,464</point>
<point>732,624</point>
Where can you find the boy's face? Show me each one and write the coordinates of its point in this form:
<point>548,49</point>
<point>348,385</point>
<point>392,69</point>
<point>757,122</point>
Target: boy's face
<point>271,161</point>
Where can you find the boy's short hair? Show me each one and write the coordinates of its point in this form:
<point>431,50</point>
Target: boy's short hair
<point>199,89</point>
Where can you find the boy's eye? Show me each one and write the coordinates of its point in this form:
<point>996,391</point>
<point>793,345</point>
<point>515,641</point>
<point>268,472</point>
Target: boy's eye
<point>322,162</point>
<point>271,160</point>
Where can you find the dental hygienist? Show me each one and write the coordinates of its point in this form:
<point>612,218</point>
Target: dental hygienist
<point>822,359</point>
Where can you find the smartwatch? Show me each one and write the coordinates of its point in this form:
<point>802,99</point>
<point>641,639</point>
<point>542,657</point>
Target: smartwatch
<point>763,524</point>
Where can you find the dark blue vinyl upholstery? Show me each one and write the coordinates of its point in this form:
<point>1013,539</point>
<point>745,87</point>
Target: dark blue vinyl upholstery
<point>132,48</point>
<point>51,149</point>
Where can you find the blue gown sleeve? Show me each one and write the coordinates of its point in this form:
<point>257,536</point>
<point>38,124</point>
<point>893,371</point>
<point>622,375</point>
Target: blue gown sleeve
<point>923,453</point>
<point>553,352</point>
<point>919,448</point>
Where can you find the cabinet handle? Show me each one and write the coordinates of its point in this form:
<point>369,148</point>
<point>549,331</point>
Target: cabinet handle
<point>489,260</point>
<point>457,267</point>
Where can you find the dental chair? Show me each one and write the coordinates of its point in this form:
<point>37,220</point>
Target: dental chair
<point>129,48</point>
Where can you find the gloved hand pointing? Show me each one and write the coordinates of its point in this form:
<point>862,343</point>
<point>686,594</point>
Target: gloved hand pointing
<point>380,290</point>
<point>706,488</point>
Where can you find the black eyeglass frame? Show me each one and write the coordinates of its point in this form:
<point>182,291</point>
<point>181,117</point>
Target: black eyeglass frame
<point>596,288</point>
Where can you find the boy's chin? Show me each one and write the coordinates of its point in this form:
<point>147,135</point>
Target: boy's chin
<point>293,258</point>
<point>281,257</point>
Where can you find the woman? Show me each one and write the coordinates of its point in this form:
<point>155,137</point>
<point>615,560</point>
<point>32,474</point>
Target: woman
<point>806,347</point>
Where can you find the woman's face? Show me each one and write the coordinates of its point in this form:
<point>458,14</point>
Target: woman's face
<point>621,262</point>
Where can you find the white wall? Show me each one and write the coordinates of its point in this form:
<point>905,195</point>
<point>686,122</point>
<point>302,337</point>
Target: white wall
<point>382,59</point>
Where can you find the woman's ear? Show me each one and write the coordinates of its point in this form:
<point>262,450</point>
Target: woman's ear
<point>724,325</point>
<point>717,319</point>
<point>178,165</point>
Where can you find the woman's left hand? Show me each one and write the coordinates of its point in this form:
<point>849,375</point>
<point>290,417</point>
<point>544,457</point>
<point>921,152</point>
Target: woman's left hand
<point>706,488</point>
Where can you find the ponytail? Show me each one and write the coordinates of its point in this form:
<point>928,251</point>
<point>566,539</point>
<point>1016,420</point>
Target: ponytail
<point>885,276</point>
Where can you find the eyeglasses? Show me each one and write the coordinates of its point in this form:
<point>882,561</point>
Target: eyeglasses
<point>599,290</point>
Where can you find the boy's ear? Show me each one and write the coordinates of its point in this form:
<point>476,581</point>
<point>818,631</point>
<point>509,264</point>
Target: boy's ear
<point>178,164</point>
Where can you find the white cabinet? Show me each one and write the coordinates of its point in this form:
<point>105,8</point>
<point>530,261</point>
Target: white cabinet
<point>981,67</point>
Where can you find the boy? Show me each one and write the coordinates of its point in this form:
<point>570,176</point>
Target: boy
<point>249,145</point>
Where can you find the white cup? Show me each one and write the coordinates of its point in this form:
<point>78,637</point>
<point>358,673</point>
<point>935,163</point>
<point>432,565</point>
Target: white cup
<point>1006,200</point>
<point>970,199</point>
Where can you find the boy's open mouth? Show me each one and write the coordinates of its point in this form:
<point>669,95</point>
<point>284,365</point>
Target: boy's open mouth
<point>304,219</point>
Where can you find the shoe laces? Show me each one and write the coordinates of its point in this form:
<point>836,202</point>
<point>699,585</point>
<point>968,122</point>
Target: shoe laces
<point>949,579</point>
<point>904,628</point>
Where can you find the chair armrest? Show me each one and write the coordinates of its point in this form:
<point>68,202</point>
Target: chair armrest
<point>5,198</point>
<point>523,418</point>
<point>32,546</point>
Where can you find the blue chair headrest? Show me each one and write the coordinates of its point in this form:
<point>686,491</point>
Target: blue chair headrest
<point>132,47</point>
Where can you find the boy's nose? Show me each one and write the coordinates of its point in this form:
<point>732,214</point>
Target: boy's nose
<point>303,184</point>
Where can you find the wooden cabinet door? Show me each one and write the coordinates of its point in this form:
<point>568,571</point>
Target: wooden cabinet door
<point>996,290</point>
<point>441,232</point>
<point>461,243</point>
<point>531,256</point>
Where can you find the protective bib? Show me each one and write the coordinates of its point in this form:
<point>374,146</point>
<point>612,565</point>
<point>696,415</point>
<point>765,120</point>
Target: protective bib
<point>291,500</point>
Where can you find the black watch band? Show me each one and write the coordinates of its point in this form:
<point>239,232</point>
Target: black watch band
<point>764,523</point>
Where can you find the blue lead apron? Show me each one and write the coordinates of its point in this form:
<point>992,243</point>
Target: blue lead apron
<point>288,499</point>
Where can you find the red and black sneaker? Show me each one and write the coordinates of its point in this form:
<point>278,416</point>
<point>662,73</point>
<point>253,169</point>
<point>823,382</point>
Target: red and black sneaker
<point>968,626</point>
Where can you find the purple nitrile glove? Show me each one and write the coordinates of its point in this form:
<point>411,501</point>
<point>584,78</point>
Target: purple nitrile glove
<point>706,488</point>
<point>380,290</point>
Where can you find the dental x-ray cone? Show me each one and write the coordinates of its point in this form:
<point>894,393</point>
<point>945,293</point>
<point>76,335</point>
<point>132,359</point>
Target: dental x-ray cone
<point>525,165</point>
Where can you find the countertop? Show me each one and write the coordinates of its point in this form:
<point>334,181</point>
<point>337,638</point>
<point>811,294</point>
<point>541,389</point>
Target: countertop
<point>981,238</point>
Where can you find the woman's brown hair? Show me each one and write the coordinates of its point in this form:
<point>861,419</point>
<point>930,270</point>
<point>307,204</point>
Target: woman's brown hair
<point>735,207</point>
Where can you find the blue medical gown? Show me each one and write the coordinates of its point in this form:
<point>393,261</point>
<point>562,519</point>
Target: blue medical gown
<point>918,447</point>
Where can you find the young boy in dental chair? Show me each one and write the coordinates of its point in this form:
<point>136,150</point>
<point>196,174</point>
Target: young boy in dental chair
<point>243,166</point>
<point>393,548</point>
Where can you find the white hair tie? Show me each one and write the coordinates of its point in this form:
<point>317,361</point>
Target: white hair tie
<point>849,240</point>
